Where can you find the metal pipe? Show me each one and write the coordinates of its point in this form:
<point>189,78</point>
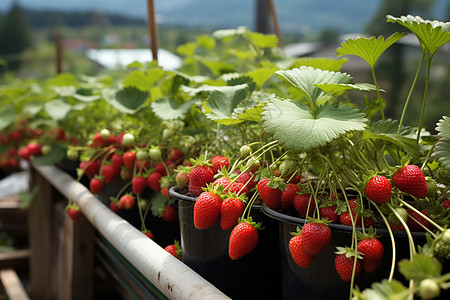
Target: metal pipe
<point>171,276</point>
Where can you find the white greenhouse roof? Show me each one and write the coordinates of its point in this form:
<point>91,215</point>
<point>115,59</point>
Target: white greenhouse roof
<point>120,58</point>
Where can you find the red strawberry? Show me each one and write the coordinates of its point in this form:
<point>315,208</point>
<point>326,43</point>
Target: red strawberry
<point>230,212</point>
<point>149,234</point>
<point>413,226</point>
<point>117,162</point>
<point>108,173</point>
<point>223,181</point>
<point>199,177</point>
<point>113,206</point>
<point>34,149</point>
<point>160,168</point>
<point>410,179</point>
<point>207,209</point>
<point>175,155</point>
<point>316,236</point>
<point>24,153</point>
<point>143,165</point>
<point>373,252</point>
<point>304,204</point>
<point>344,266</point>
<point>73,212</point>
<point>138,184</point>
<point>345,219</point>
<point>246,178</point>
<point>243,239</point>
<point>288,195</point>
<point>446,204</point>
<point>270,196</point>
<point>182,179</point>
<point>96,185</point>
<point>90,168</point>
<point>153,181</point>
<point>329,212</point>
<point>237,188</point>
<point>298,255</point>
<point>219,162</point>
<point>126,202</point>
<point>129,158</point>
<point>174,249</point>
<point>378,189</point>
<point>165,192</point>
<point>170,214</point>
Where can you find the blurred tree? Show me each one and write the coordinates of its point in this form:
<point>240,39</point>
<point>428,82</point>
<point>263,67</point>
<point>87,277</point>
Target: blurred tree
<point>393,69</point>
<point>14,36</point>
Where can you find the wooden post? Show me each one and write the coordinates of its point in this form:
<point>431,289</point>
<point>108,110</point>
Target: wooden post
<point>58,50</point>
<point>152,28</point>
<point>261,20</point>
<point>276,23</point>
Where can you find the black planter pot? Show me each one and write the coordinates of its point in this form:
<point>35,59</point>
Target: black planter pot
<point>320,280</point>
<point>255,276</point>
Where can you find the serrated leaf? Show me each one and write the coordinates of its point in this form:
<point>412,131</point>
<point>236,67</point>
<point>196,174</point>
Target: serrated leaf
<point>221,104</point>
<point>250,114</point>
<point>408,144</point>
<point>432,35</point>
<point>85,95</point>
<point>420,267</point>
<point>7,116</point>
<point>168,109</point>
<point>443,127</point>
<point>385,290</point>
<point>306,79</point>
<point>442,153</point>
<point>334,88</point>
<point>143,80</point>
<point>369,49</point>
<point>157,202</point>
<point>129,99</point>
<point>57,109</point>
<point>295,127</point>
<point>56,154</point>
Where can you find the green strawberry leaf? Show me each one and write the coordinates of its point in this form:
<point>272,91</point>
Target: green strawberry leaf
<point>369,49</point>
<point>334,88</point>
<point>32,108</point>
<point>432,35</point>
<point>57,109</point>
<point>261,75</point>
<point>64,79</point>
<point>158,201</point>
<point>263,40</point>
<point>306,80</point>
<point>442,153</point>
<point>322,63</point>
<point>409,144</point>
<point>386,290</point>
<point>443,127</point>
<point>294,126</point>
<point>168,109</point>
<point>85,95</point>
<point>221,103</point>
<point>57,154</point>
<point>127,100</point>
<point>252,114</point>
<point>65,91</point>
<point>420,267</point>
<point>143,80</point>
<point>7,116</point>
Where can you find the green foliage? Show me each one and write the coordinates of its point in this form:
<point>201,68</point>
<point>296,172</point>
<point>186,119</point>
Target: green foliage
<point>442,151</point>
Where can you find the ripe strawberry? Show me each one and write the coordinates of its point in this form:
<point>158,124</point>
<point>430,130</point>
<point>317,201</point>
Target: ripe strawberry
<point>142,165</point>
<point>170,214</point>
<point>73,212</point>
<point>174,249</point>
<point>223,181</point>
<point>153,181</point>
<point>117,162</point>
<point>126,202</point>
<point>129,158</point>
<point>304,204</point>
<point>298,255</point>
<point>288,195</point>
<point>207,209</point>
<point>243,239</point>
<point>182,179</point>
<point>165,192</point>
<point>138,184</point>
<point>90,168</point>
<point>344,266</point>
<point>108,173</point>
<point>96,185</point>
<point>237,188</point>
<point>373,252</point>
<point>149,234</point>
<point>230,212</point>
<point>34,149</point>
<point>446,204</point>
<point>113,206</point>
<point>24,153</point>
<point>199,177</point>
<point>378,189</point>
<point>160,168</point>
<point>175,155</point>
<point>329,212</point>
<point>410,179</point>
<point>316,236</point>
<point>219,162</point>
<point>413,226</point>
<point>345,218</point>
<point>270,196</point>
<point>246,178</point>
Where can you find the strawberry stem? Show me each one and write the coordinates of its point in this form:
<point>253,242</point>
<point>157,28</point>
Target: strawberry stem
<point>422,215</point>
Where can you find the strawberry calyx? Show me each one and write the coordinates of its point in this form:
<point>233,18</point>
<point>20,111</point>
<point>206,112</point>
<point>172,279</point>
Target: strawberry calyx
<point>214,189</point>
<point>348,252</point>
<point>298,232</point>
<point>371,233</point>
<point>200,161</point>
<point>242,197</point>
<point>319,221</point>
<point>249,220</point>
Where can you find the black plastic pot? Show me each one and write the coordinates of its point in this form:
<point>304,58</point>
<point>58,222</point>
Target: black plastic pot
<point>255,276</point>
<point>320,280</point>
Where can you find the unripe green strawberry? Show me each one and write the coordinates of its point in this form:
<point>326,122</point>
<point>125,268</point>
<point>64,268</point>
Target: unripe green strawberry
<point>128,140</point>
<point>378,189</point>
<point>72,154</point>
<point>287,167</point>
<point>245,151</point>
<point>141,155</point>
<point>429,289</point>
<point>441,249</point>
<point>46,149</point>
<point>443,176</point>
<point>432,188</point>
<point>105,133</point>
<point>410,179</point>
<point>446,236</point>
<point>155,153</point>
<point>167,134</point>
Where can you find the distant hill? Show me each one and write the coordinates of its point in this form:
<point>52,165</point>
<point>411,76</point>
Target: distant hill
<point>295,15</point>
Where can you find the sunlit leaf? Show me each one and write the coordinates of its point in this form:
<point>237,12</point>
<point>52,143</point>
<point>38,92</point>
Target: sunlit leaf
<point>250,114</point>
<point>261,75</point>
<point>168,109</point>
<point>65,91</point>
<point>294,126</point>
<point>64,79</point>
<point>369,49</point>
<point>32,108</point>
<point>85,95</point>
<point>263,40</point>
<point>322,63</point>
<point>143,80</point>
<point>129,99</point>
<point>432,35</point>
<point>408,144</point>
<point>386,290</point>
<point>420,267</point>
<point>443,127</point>
<point>7,113</point>
<point>57,109</point>
<point>334,88</point>
<point>306,79</point>
<point>222,103</point>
